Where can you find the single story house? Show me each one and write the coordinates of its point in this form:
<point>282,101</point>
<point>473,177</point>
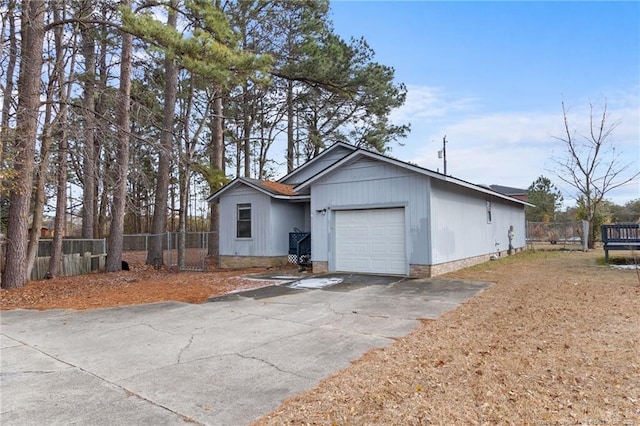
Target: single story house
<point>361,211</point>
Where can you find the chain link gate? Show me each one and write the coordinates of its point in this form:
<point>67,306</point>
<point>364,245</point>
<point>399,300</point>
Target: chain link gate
<point>195,248</point>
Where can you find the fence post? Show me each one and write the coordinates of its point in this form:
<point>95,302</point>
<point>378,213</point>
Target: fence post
<point>585,236</point>
<point>169,263</point>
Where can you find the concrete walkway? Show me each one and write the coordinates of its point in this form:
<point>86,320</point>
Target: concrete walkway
<point>226,362</point>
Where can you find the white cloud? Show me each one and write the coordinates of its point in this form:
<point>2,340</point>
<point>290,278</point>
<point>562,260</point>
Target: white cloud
<point>430,103</point>
<point>510,148</point>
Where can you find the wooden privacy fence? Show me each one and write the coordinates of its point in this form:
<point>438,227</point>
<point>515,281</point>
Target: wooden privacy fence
<point>72,264</point>
<point>79,257</point>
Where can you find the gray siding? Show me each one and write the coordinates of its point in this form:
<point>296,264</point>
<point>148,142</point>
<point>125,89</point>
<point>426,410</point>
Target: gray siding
<point>460,228</point>
<point>258,244</point>
<point>371,184</point>
<point>284,217</point>
<point>271,222</point>
<point>318,165</point>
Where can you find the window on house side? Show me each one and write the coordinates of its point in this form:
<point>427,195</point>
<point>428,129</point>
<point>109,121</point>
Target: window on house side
<point>244,221</point>
<point>488,211</point>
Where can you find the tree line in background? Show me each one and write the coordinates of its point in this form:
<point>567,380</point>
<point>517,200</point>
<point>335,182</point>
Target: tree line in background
<point>548,201</point>
<point>135,106</point>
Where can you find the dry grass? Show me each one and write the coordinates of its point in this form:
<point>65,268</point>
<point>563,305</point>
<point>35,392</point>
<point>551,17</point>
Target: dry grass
<point>555,341</point>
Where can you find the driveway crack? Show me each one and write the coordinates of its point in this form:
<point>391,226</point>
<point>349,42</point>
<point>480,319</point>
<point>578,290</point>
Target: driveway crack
<point>116,385</point>
<point>270,364</point>
<point>184,348</point>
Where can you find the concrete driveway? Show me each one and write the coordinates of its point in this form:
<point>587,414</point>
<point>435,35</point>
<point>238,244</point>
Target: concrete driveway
<point>226,362</point>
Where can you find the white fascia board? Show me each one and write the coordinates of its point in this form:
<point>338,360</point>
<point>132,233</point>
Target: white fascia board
<point>417,169</point>
<point>224,189</point>
<point>315,159</point>
<point>239,181</point>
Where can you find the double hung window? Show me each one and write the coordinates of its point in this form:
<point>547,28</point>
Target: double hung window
<point>243,228</point>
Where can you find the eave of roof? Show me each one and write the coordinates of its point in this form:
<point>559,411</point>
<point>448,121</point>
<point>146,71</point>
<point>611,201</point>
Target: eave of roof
<point>359,153</point>
<point>508,190</point>
<point>317,158</point>
<point>273,189</point>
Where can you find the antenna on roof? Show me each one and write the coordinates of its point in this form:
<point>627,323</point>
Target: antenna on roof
<point>443,153</point>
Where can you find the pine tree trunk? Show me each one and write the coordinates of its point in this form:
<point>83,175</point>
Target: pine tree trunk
<point>246,131</point>
<point>32,29</point>
<point>101,106</point>
<point>88,113</point>
<point>61,212</point>
<point>217,163</point>
<point>182,218</point>
<point>7,93</point>
<point>56,129</point>
<point>116,230</point>
<point>43,170</point>
<point>159,221</point>
<point>290,135</point>
<point>7,106</point>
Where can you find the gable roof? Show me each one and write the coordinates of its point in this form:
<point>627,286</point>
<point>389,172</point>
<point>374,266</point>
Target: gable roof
<point>284,191</point>
<point>362,153</point>
<point>273,189</point>
<point>318,158</point>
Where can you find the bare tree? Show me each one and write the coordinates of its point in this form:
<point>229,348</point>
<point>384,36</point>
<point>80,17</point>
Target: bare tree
<point>592,165</point>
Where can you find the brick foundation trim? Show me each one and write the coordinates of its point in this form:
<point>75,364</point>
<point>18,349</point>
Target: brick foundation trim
<point>444,268</point>
<point>320,267</point>
<point>420,271</point>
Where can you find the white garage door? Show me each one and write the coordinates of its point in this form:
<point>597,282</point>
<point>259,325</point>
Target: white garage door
<point>371,241</point>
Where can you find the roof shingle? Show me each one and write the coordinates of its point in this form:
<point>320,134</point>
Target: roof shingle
<point>278,188</point>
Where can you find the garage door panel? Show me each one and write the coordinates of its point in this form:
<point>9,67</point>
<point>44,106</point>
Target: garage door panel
<point>378,248</point>
<point>370,241</point>
<point>379,232</point>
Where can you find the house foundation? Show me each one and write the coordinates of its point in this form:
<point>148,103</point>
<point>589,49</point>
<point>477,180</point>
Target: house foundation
<point>445,268</point>
<point>252,261</point>
<point>320,267</point>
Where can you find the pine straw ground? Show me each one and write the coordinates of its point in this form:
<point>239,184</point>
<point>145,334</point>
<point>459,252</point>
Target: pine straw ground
<point>555,341</point>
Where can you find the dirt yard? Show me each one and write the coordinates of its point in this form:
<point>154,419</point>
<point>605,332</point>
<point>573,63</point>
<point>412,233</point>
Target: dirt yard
<point>142,284</point>
<point>555,341</point>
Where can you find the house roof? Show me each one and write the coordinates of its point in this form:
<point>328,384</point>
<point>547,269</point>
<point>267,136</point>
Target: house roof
<point>318,158</point>
<point>279,189</point>
<point>275,187</point>
<point>283,191</point>
<point>361,153</point>
<point>508,190</point>
<point>270,188</point>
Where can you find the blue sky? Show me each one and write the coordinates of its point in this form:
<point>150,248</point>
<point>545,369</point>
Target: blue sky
<point>492,76</point>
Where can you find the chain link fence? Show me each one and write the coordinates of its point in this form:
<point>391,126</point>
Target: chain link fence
<point>185,251</point>
<point>571,235</point>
